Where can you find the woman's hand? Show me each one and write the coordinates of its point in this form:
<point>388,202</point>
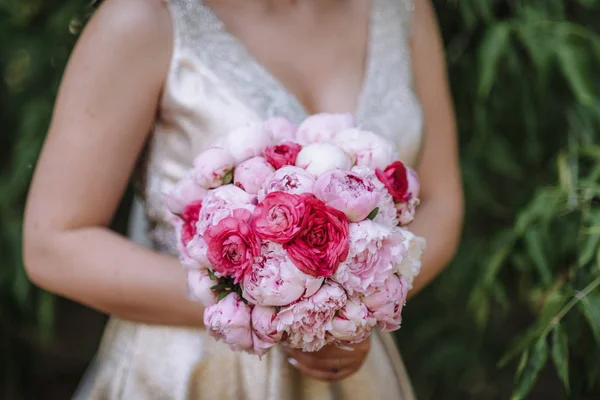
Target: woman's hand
<point>330,363</point>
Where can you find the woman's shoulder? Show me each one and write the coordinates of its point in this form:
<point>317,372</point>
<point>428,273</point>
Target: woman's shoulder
<point>133,20</point>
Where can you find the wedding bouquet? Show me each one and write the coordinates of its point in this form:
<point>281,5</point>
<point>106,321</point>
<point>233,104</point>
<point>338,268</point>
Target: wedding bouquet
<point>294,235</point>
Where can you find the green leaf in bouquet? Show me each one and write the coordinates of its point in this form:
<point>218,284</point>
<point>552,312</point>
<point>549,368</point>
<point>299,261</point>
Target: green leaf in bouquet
<point>212,275</point>
<point>538,355</point>
<point>221,286</point>
<point>222,295</point>
<point>228,178</point>
<point>560,354</point>
<point>373,213</point>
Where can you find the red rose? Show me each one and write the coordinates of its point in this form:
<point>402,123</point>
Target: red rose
<point>278,217</point>
<point>232,245</point>
<point>322,243</point>
<point>190,215</point>
<point>284,154</point>
<point>395,180</point>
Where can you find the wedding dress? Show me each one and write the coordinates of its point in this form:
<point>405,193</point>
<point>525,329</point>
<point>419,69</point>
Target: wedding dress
<point>214,85</point>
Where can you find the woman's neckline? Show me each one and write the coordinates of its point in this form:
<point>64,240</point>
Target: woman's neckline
<point>249,59</point>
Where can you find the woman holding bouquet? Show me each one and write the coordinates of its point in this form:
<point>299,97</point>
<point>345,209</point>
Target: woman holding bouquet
<point>159,82</point>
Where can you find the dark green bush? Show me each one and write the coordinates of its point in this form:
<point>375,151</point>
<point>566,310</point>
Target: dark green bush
<point>519,308</point>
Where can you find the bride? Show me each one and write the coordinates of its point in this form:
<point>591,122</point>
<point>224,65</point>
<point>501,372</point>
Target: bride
<point>150,84</point>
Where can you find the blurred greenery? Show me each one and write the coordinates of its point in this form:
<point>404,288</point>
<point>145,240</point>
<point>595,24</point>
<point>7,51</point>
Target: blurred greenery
<point>517,314</point>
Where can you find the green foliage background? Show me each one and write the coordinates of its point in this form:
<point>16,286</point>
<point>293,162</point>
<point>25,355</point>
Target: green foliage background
<point>517,314</point>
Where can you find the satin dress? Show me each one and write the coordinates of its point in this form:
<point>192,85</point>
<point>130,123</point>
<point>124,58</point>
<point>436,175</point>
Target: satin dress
<point>213,86</point>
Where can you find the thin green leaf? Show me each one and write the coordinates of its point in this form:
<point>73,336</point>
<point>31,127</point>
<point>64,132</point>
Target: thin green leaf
<point>560,354</point>
<point>490,53</point>
<point>538,355</point>
<point>534,244</point>
<point>575,72</point>
<point>590,307</point>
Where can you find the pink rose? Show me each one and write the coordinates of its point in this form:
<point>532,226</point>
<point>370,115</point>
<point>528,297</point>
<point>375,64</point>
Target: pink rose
<point>386,303</point>
<point>348,192</point>
<point>288,179</point>
<point>229,321</point>
<point>278,217</point>
<point>251,174</point>
<point>409,265</point>
<point>232,245</point>
<point>247,142</point>
<point>375,251</point>
<point>366,148</point>
<point>318,158</point>
<point>219,203</point>
<point>387,213</point>
<point>280,129</point>
<point>307,322</point>
<point>199,284</point>
<point>275,281</point>
<point>352,324</point>
<point>186,191</point>
<point>322,243</point>
<point>214,167</point>
<point>264,329</point>
<point>395,179</point>
<point>323,127</point>
<point>282,154</point>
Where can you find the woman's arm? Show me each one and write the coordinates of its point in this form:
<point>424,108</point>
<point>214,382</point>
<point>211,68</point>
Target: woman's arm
<point>105,108</point>
<point>439,217</point>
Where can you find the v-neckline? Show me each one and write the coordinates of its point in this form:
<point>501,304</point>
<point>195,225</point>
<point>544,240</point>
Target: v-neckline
<point>249,59</point>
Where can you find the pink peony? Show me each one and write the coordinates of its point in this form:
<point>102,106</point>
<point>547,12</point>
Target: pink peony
<point>264,329</point>
<point>219,203</point>
<point>318,158</point>
<point>386,303</point>
<point>196,254</point>
<point>409,266</point>
<point>366,148</point>
<point>232,245</point>
<point>282,154</point>
<point>229,320</point>
<point>348,192</point>
<point>352,324</point>
<point>247,142</point>
<point>186,191</point>
<point>278,217</point>
<point>214,167</point>
<point>307,322</point>
<point>375,251</point>
<point>275,280</point>
<point>387,213</point>
<point>280,129</point>
<point>199,284</point>
<point>251,174</point>
<point>322,243</point>
<point>323,127</point>
<point>288,179</point>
